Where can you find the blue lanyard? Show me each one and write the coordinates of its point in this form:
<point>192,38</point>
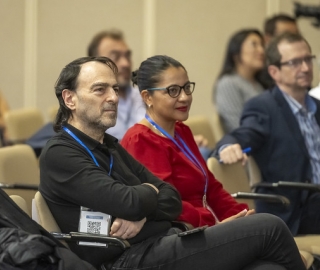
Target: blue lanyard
<point>87,149</point>
<point>184,148</point>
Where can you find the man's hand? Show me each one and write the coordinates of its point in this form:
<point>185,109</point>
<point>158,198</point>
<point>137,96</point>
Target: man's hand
<point>126,229</point>
<point>200,140</point>
<point>243,213</point>
<point>232,154</point>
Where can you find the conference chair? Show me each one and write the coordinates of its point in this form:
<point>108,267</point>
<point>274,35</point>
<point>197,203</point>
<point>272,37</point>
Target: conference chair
<point>19,171</point>
<point>13,217</point>
<point>310,243</point>
<point>200,125</point>
<point>235,180</point>
<point>21,202</point>
<point>42,215</point>
<point>22,124</point>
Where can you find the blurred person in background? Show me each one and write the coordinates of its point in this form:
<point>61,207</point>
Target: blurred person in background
<point>238,81</point>
<point>111,44</point>
<point>273,27</point>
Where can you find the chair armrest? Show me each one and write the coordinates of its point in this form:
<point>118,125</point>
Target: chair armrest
<point>266,197</point>
<point>182,225</point>
<point>285,184</point>
<point>90,237</point>
<point>19,186</point>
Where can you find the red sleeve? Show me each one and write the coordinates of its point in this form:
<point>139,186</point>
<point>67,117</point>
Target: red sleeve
<point>154,153</point>
<point>218,199</point>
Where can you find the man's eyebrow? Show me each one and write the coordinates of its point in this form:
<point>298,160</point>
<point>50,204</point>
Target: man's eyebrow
<point>103,85</point>
<point>99,84</point>
<point>120,52</point>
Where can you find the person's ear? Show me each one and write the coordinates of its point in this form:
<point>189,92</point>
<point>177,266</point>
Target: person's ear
<point>147,98</point>
<point>69,98</point>
<point>274,72</point>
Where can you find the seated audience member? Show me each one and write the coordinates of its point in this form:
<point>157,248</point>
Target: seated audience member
<point>275,26</point>
<point>4,107</point>
<point>282,127</point>
<point>83,167</point>
<point>238,81</point>
<point>111,44</point>
<point>169,150</point>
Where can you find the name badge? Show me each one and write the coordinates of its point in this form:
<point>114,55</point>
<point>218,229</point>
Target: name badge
<point>94,222</point>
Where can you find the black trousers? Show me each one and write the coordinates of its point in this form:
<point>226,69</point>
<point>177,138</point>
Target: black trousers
<point>260,241</point>
<point>310,219</point>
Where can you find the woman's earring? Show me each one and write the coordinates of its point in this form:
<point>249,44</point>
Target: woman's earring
<point>149,105</point>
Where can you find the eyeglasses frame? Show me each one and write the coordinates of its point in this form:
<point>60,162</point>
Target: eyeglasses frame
<point>288,63</point>
<point>181,87</point>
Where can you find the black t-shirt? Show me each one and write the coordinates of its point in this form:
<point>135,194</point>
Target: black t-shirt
<point>69,178</point>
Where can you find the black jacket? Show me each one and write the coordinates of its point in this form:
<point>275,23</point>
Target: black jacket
<point>26,245</point>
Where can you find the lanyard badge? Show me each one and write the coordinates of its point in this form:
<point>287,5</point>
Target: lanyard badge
<point>91,221</point>
<point>94,222</point>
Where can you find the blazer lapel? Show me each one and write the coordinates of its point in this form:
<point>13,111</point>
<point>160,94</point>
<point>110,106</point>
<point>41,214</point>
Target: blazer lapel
<point>317,114</point>
<point>291,120</point>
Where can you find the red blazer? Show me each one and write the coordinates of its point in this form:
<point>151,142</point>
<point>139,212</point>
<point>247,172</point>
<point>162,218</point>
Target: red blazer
<point>164,159</point>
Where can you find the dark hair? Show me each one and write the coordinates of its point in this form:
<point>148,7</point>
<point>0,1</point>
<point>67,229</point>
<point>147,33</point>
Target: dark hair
<point>68,79</point>
<point>273,56</point>
<point>150,70</point>
<point>234,49</point>
<point>271,23</point>
<point>96,40</point>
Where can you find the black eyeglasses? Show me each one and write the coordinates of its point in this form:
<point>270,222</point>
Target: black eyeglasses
<point>175,90</point>
<point>297,62</point>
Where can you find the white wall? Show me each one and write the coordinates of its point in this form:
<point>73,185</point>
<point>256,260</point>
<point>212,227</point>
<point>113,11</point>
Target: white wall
<point>38,37</point>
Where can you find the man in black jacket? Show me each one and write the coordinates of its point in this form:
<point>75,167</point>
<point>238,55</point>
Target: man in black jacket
<point>92,184</point>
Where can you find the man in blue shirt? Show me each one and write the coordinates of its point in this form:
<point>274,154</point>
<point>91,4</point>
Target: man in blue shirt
<point>282,127</point>
<point>131,109</point>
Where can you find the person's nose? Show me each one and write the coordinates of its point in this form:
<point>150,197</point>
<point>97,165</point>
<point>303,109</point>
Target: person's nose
<point>112,96</point>
<point>261,50</point>
<point>305,66</point>
<point>183,96</point>
<point>124,62</point>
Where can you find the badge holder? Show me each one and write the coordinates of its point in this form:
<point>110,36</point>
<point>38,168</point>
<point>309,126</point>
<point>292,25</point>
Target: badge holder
<point>95,223</point>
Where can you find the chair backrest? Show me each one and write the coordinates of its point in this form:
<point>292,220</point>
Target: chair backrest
<point>52,112</point>
<point>201,125</point>
<point>21,202</point>
<point>233,177</point>
<point>253,172</point>
<point>42,214</point>
<point>19,165</point>
<point>218,129</point>
<point>22,123</point>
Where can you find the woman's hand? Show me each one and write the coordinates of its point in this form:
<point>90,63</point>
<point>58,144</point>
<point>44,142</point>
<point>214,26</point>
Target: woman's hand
<point>126,229</point>
<point>243,213</point>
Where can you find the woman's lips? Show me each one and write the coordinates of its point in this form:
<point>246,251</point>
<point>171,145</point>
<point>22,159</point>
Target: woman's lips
<point>182,109</point>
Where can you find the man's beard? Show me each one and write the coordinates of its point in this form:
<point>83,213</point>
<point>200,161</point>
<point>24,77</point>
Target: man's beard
<point>100,123</point>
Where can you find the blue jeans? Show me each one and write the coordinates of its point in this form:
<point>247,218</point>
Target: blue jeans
<point>260,241</point>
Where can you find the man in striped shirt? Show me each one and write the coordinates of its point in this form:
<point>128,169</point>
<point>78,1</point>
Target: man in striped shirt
<point>282,128</point>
